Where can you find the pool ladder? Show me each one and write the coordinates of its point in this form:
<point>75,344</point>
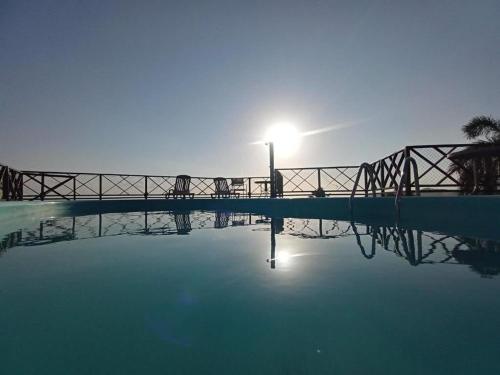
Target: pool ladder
<point>408,164</point>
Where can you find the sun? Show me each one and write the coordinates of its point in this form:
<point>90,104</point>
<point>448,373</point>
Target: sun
<point>285,137</point>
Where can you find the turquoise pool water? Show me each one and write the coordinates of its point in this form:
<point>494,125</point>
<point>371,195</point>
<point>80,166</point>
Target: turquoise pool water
<point>229,293</point>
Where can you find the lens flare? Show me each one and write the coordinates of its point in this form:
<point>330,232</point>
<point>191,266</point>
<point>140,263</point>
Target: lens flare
<point>285,137</point>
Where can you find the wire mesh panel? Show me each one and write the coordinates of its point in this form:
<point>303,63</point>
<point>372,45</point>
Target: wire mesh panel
<point>41,185</point>
<point>297,181</point>
<point>435,166</point>
<point>202,186</point>
<point>159,186</point>
<point>340,180</point>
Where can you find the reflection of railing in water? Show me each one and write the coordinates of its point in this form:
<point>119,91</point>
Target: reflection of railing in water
<point>103,225</point>
<point>419,247</point>
<point>415,246</point>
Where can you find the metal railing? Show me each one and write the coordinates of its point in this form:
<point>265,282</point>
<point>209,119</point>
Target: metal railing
<point>11,184</point>
<point>434,175</point>
<point>433,163</point>
<point>72,186</point>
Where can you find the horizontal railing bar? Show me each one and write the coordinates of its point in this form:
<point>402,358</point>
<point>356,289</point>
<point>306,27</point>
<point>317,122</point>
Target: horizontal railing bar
<point>60,174</point>
<point>316,168</point>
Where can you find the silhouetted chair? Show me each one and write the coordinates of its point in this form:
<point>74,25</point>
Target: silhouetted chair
<point>237,185</point>
<point>222,189</point>
<point>182,223</point>
<point>181,188</point>
<point>221,219</point>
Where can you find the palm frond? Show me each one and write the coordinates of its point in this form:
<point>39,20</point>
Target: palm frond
<point>485,126</point>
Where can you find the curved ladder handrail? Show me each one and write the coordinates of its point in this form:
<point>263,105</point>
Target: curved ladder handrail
<point>370,171</point>
<point>408,163</point>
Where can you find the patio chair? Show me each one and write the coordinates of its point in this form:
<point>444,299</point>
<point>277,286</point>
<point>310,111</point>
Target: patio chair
<point>182,223</point>
<point>237,185</point>
<point>181,188</point>
<point>221,219</point>
<point>222,189</point>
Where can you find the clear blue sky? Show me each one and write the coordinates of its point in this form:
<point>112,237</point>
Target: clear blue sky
<point>186,86</point>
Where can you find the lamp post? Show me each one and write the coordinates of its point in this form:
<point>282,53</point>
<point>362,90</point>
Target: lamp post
<point>271,169</point>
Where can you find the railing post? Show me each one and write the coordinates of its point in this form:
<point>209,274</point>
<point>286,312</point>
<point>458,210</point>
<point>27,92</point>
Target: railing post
<point>20,187</point>
<point>249,187</point>
<point>74,188</point>
<point>5,183</point>
<point>100,186</point>
<point>42,188</point>
<point>145,187</point>
<point>382,177</point>
<point>366,182</point>
<point>407,167</point>
<point>319,178</point>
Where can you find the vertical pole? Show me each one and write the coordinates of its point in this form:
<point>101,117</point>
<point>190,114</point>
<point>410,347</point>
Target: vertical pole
<point>74,188</point>
<point>319,178</point>
<point>407,180</point>
<point>100,187</point>
<point>249,187</point>
<point>271,170</point>
<point>145,187</point>
<point>273,244</point>
<point>42,188</point>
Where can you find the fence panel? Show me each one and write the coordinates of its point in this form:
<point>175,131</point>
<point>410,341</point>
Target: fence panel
<point>437,172</point>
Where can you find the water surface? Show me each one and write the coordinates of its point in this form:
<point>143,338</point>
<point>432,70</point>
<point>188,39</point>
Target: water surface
<point>226,293</point>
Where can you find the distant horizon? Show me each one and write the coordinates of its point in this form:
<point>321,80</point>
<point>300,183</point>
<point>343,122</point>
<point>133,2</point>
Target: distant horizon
<point>167,88</point>
<point>183,171</point>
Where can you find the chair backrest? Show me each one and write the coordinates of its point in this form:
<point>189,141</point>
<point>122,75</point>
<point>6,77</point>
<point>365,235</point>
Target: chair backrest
<point>221,219</point>
<point>221,186</point>
<point>182,223</point>
<point>237,181</point>
<point>182,183</point>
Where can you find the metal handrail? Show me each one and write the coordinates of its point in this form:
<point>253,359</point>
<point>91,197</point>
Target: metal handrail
<point>408,163</point>
<point>368,168</point>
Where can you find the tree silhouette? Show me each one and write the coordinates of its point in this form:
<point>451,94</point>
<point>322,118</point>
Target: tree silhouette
<point>483,130</point>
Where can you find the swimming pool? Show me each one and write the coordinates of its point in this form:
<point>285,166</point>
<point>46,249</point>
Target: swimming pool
<point>287,291</point>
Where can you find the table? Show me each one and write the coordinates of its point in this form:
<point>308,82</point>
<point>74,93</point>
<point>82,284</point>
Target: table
<point>265,183</point>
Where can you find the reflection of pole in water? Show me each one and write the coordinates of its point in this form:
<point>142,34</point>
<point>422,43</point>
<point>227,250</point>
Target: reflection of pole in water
<point>273,244</point>
<point>100,224</point>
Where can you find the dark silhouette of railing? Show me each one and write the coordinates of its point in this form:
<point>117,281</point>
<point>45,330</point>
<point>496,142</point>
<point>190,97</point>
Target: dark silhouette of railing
<point>414,246</point>
<point>433,165</point>
<point>432,161</point>
<point>11,184</point>
<point>72,186</point>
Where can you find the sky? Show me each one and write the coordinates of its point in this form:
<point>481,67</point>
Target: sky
<point>171,87</point>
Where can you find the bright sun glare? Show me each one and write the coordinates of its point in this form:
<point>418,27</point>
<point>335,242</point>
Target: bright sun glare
<point>286,138</point>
